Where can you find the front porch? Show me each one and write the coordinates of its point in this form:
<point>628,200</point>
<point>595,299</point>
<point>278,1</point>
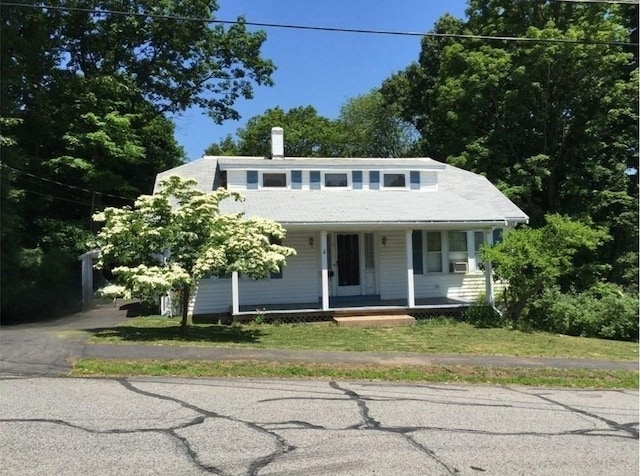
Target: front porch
<point>349,306</point>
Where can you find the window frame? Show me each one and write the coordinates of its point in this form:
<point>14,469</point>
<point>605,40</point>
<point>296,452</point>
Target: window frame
<point>457,256</point>
<point>428,252</point>
<point>331,187</point>
<point>384,185</point>
<point>286,180</point>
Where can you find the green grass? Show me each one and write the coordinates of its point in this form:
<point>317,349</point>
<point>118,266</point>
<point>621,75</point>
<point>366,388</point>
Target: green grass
<point>438,336</point>
<point>575,378</point>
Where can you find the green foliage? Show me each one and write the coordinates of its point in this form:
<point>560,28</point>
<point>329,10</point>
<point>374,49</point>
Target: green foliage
<point>306,135</point>
<point>532,260</point>
<point>367,127</point>
<point>554,125</point>
<point>84,100</point>
<point>603,311</point>
<point>481,315</point>
<point>370,127</point>
<point>174,238</point>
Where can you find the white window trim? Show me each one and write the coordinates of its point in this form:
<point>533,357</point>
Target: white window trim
<point>407,178</point>
<point>287,174</point>
<point>346,172</point>
<point>425,252</point>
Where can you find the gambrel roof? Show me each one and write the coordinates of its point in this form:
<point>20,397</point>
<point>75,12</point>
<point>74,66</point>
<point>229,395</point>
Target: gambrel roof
<point>460,197</point>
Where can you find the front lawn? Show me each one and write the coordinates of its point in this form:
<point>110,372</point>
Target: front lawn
<point>435,336</point>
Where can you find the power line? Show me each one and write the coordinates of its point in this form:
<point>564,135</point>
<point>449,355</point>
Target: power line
<point>332,29</point>
<point>606,2</point>
<point>22,172</point>
<point>53,196</point>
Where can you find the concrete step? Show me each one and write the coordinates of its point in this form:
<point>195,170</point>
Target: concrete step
<point>375,321</point>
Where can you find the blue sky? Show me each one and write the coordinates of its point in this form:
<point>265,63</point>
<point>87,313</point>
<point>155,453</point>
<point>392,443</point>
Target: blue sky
<point>321,69</point>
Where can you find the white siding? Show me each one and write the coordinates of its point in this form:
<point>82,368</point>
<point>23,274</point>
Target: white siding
<point>299,283</point>
<point>237,179</point>
<point>393,265</point>
<point>212,295</point>
<point>300,278</point>
<point>468,287</point>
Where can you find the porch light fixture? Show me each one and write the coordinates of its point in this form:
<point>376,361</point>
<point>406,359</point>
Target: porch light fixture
<point>384,241</point>
<point>311,241</point>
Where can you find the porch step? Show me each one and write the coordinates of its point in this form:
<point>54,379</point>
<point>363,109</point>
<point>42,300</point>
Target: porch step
<point>375,321</point>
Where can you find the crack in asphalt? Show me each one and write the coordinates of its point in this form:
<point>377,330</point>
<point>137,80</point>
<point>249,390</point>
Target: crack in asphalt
<point>282,447</point>
<point>614,425</point>
<point>613,430</point>
<point>374,424</point>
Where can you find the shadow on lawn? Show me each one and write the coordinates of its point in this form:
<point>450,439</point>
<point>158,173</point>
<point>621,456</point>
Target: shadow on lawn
<point>212,333</point>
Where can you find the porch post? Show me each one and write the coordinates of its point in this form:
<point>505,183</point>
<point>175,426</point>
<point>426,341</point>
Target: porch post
<point>325,270</point>
<point>488,272</point>
<point>235,294</point>
<point>411,297</point>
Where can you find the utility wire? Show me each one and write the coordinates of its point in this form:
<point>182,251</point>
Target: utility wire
<point>87,204</point>
<point>606,2</point>
<point>104,194</point>
<point>325,28</point>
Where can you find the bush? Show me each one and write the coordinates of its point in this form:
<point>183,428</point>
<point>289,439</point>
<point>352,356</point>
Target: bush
<point>481,315</point>
<point>603,311</point>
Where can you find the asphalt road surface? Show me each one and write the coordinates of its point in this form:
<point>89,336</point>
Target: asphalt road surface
<point>65,426</point>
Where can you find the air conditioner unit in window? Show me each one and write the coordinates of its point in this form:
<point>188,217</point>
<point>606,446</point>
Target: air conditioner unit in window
<point>460,267</point>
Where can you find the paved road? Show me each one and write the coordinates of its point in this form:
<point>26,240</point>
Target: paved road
<point>164,426</point>
<point>48,349</point>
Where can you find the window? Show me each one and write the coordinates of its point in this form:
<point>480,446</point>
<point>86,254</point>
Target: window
<point>497,236</point>
<point>416,242</point>
<point>369,257</point>
<point>314,179</point>
<point>252,179</point>
<point>274,180</point>
<point>395,180</point>
<point>457,251</point>
<point>356,179</point>
<point>478,241</point>
<point>374,180</point>
<point>296,179</point>
<point>434,252</point>
<point>335,180</point>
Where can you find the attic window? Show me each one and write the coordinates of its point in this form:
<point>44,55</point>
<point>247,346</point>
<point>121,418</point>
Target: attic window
<point>335,180</point>
<point>271,180</point>
<point>395,180</point>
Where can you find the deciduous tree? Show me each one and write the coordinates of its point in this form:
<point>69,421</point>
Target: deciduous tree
<point>170,240</point>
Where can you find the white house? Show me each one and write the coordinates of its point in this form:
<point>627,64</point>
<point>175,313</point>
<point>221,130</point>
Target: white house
<point>368,232</point>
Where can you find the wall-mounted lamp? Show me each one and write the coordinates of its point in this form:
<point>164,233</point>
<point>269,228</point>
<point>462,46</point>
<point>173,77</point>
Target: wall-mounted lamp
<point>384,241</point>
<point>311,241</point>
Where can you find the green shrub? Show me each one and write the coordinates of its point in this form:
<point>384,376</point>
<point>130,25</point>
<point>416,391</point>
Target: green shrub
<point>603,311</point>
<point>481,315</point>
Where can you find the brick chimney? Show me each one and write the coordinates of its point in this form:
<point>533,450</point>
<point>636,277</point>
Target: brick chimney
<point>277,143</point>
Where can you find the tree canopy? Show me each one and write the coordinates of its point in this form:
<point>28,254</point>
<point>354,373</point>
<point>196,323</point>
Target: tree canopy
<point>85,95</point>
<point>553,124</point>
<point>366,127</point>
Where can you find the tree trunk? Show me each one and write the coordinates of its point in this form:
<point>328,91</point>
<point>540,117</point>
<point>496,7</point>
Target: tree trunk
<point>186,289</point>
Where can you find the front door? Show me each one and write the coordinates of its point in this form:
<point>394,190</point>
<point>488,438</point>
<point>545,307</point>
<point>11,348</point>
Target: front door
<point>348,264</point>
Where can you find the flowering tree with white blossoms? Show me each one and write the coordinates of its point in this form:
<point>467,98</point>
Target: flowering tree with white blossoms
<point>170,240</point>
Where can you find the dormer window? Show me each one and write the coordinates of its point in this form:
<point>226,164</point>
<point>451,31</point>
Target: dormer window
<point>395,180</point>
<point>336,180</point>
<point>271,180</point>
